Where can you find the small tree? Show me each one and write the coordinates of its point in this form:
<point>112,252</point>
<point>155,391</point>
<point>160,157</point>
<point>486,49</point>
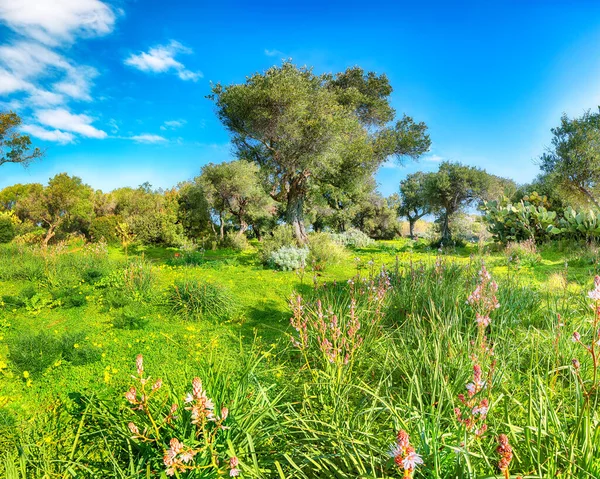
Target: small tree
<point>453,188</point>
<point>234,189</point>
<point>14,146</point>
<point>414,199</point>
<point>66,199</point>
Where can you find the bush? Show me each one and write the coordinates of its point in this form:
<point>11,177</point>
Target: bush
<point>197,300</point>
<point>289,258</point>
<point>323,251</point>
<point>139,277</point>
<point>283,235</point>
<point>7,229</point>
<point>236,241</point>
<point>104,228</point>
<point>353,238</point>
<point>523,253</point>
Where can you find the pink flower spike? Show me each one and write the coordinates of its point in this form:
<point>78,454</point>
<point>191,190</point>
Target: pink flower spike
<point>139,364</point>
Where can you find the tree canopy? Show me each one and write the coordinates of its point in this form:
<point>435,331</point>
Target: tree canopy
<point>574,157</point>
<point>15,147</point>
<point>305,129</point>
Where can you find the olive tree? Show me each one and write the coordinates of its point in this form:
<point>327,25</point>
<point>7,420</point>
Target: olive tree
<point>305,129</point>
<point>15,147</point>
<point>574,157</point>
<point>65,200</point>
<point>452,188</point>
<point>414,199</point>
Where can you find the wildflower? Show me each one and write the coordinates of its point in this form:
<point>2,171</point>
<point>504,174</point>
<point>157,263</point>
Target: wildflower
<point>595,293</point>
<point>131,395</point>
<point>233,464</point>
<point>157,385</point>
<point>576,337</point>
<point>483,321</point>
<point>505,451</point>
<point>134,429</point>
<point>202,407</point>
<point>576,364</point>
<point>224,413</point>
<point>404,454</point>
<point>139,364</point>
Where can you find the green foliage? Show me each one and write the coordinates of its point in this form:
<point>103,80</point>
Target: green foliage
<point>282,235</point>
<point>574,157</point>
<point>34,353</point>
<point>65,204</point>
<point>452,188</point>
<point>7,229</point>
<point>323,251</point>
<point>518,222</point>
<point>414,200</point>
<point>196,300</point>
<point>307,130</point>
<point>15,146</point>
<point>236,241</point>
<point>132,315</point>
<point>104,228</point>
<point>578,225</point>
<point>353,238</point>
<point>289,258</point>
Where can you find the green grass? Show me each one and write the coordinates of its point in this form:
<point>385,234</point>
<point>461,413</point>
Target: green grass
<point>73,322</point>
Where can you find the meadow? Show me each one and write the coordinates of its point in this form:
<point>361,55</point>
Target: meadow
<point>394,360</point>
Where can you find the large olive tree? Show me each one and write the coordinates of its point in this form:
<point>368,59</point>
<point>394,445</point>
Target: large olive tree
<point>305,130</point>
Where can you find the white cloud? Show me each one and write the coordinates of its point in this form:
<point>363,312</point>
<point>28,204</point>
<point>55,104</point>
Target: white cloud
<point>57,21</point>
<point>161,59</point>
<point>27,61</point>
<point>173,124</point>
<point>39,75</point>
<point>10,83</point>
<point>274,53</point>
<point>147,138</point>
<point>434,158</point>
<point>64,120</point>
<point>49,135</point>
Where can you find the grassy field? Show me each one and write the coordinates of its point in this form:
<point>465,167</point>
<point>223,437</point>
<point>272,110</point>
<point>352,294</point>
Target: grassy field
<point>369,352</point>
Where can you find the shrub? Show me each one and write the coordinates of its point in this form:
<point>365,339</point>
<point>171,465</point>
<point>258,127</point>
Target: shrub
<point>138,277</point>
<point>289,258</point>
<point>353,238</point>
<point>75,350</point>
<point>324,251</point>
<point>236,241</point>
<point>104,228</point>
<point>7,229</point>
<point>32,237</point>
<point>197,300</point>
<point>523,253</point>
<point>283,235</point>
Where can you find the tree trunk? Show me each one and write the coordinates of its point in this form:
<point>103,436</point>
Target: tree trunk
<point>446,233</point>
<point>295,213</point>
<point>243,227</point>
<point>221,227</point>
<point>591,197</point>
<point>411,227</point>
<point>49,234</point>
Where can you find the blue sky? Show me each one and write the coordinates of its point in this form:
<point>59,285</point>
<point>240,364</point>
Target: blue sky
<point>115,90</point>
